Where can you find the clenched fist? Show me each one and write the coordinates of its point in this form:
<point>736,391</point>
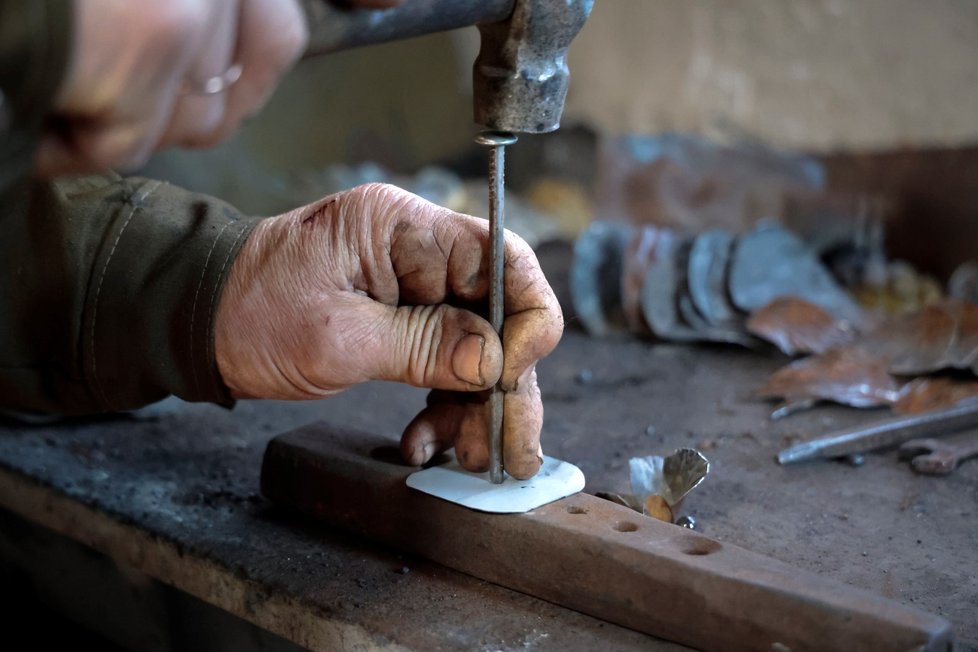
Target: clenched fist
<point>377,283</point>
<point>129,88</point>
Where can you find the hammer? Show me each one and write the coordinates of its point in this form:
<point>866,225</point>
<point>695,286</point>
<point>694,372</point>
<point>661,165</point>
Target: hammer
<point>519,82</point>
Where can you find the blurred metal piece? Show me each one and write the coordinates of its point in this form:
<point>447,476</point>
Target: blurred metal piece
<point>884,433</point>
<point>496,141</point>
<point>963,283</point>
<point>671,477</point>
<point>707,277</point>
<point>595,277</point>
<point>936,457</point>
<point>520,76</point>
<point>659,296</point>
<point>686,521</point>
<point>770,262</point>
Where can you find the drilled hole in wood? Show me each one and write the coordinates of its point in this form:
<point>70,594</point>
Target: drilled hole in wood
<point>625,526</point>
<point>574,509</point>
<point>699,546</point>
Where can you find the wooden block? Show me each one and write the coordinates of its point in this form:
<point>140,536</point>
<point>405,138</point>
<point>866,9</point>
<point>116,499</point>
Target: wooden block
<point>591,555</point>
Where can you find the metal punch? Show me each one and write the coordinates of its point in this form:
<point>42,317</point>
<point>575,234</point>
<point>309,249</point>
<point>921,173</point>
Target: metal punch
<point>496,141</point>
<point>881,434</point>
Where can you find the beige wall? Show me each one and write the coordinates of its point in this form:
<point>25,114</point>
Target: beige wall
<point>810,74</point>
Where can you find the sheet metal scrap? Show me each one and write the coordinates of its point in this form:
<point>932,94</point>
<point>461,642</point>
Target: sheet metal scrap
<point>659,484</point>
<point>928,394</point>
<point>850,376</point>
<point>647,244</point>
<point>798,326</point>
<point>659,301</point>
<point>771,262</point>
<point>658,282</point>
<point>706,277</point>
<point>938,336</point>
<point>595,277</point>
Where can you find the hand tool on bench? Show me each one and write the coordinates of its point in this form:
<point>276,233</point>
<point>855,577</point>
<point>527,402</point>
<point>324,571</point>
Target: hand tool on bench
<point>888,432</point>
<point>938,457</point>
<point>519,84</point>
<point>591,555</point>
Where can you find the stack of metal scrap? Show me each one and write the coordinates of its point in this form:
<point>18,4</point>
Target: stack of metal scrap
<point>653,281</point>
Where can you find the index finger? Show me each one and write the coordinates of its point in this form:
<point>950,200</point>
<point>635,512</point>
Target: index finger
<point>533,319</point>
<point>437,254</point>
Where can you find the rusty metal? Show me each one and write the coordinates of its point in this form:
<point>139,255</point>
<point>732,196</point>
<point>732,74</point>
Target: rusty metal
<point>936,457</point>
<point>881,434</point>
<point>592,556</point>
<point>520,77</point>
<point>496,141</point>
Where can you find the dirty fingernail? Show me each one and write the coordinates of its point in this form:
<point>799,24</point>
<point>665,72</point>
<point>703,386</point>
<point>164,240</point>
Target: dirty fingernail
<point>467,359</point>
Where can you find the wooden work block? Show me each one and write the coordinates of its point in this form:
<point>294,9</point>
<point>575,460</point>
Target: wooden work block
<point>591,555</point>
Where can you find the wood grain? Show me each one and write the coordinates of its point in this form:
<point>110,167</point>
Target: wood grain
<point>592,556</point>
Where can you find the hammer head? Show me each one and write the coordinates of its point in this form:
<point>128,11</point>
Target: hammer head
<point>520,76</point>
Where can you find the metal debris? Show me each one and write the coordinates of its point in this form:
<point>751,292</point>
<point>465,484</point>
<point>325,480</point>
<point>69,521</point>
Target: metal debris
<point>771,262</point>
<point>798,326</point>
<point>655,281</point>
<point>595,277</point>
<point>850,376</point>
<point>927,394</point>
<point>938,336</point>
<point>659,484</point>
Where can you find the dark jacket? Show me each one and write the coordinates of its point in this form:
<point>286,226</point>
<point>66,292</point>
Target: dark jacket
<point>108,286</point>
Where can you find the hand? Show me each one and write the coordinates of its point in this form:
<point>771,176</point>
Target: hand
<point>376,283</point>
<point>128,89</point>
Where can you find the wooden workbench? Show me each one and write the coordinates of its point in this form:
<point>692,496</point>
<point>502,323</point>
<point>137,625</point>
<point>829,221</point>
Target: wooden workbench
<point>176,498</point>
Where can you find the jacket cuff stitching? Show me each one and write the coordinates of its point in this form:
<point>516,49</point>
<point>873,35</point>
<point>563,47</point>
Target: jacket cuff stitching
<point>211,352</point>
<point>193,310</point>
<point>147,190</point>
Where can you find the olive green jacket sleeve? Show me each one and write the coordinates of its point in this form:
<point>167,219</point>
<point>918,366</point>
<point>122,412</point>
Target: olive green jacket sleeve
<point>108,286</point>
<point>111,289</point>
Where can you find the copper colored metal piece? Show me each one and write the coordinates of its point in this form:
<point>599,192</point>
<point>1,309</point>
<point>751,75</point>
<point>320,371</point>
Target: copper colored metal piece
<point>850,376</point>
<point>591,555</point>
<point>938,336</point>
<point>937,457</point>
<point>647,243</point>
<point>798,326</point>
<point>927,394</point>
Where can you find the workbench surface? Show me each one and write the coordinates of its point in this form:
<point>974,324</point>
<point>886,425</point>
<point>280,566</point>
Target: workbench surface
<point>177,498</point>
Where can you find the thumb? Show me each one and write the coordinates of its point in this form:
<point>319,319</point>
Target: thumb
<point>438,347</point>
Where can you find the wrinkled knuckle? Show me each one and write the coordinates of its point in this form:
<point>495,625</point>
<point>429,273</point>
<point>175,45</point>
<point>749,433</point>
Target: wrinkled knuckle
<point>423,332</point>
<point>376,191</point>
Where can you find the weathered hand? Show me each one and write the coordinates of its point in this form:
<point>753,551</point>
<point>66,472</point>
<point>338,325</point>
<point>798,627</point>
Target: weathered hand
<point>129,88</point>
<point>377,283</point>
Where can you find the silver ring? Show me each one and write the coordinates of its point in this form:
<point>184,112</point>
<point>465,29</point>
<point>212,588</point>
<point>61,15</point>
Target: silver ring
<point>212,85</point>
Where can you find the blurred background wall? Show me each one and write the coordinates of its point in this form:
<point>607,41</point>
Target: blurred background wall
<point>883,93</point>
